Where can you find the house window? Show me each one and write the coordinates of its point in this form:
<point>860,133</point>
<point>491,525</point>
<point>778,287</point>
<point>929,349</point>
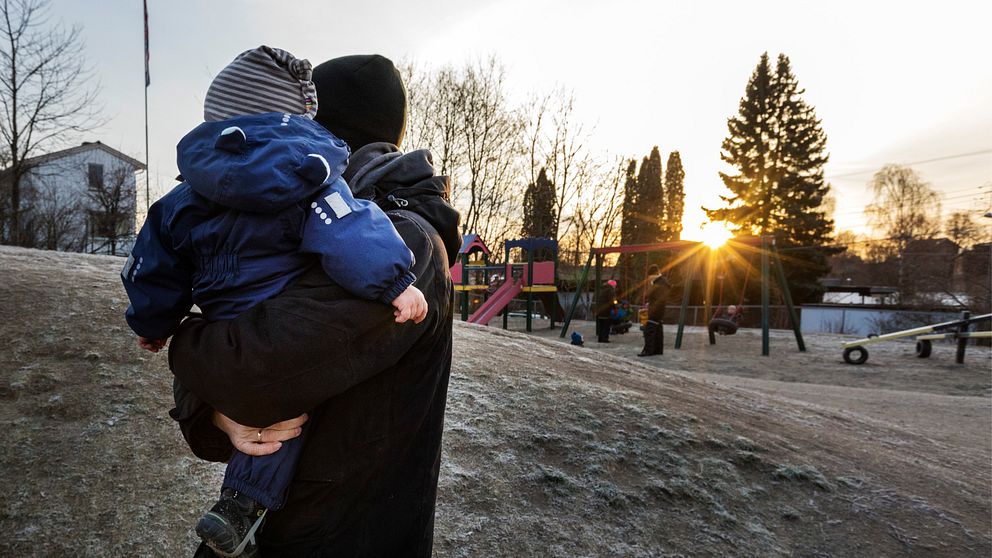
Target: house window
<point>95,176</point>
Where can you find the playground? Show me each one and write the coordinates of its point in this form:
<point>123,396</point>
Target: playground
<point>935,396</point>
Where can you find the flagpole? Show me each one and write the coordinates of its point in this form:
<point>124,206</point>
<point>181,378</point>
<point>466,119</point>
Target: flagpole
<point>148,169</point>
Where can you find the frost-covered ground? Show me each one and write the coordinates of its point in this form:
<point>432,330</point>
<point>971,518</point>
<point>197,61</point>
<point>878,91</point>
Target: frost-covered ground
<point>549,450</point>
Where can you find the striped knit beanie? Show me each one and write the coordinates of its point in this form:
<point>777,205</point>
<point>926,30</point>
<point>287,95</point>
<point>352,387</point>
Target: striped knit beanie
<point>261,80</point>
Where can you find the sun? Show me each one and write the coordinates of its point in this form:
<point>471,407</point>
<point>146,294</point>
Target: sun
<point>716,233</point>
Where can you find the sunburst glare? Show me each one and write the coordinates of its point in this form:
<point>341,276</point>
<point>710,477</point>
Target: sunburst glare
<point>716,233</point>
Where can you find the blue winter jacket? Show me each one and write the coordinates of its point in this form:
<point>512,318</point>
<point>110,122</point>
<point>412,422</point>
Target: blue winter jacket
<point>261,196</point>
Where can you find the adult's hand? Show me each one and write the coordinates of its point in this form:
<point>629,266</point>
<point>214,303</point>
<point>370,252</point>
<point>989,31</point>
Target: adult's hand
<point>259,441</point>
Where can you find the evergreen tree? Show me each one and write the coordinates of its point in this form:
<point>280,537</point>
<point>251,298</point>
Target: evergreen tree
<point>539,211</point>
<point>643,218</point>
<point>628,220</point>
<point>674,196</point>
<point>651,200</point>
<point>778,147</point>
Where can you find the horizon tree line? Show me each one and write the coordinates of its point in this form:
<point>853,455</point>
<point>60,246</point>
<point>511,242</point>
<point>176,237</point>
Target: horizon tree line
<point>527,169</point>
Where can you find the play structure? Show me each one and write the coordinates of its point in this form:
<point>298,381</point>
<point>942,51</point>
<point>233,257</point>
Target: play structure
<point>491,294</point>
<point>470,274</point>
<point>855,353</point>
<point>697,261</point>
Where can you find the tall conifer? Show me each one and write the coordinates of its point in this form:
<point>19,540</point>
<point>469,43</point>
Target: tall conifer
<point>628,220</point>
<point>674,196</point>
<point>778,148</point>
<point>539,209</point>
<point>651,199</point>
<point>642,221</point>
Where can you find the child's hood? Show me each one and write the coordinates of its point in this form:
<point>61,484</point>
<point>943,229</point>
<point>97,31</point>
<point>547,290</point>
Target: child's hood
<point>261,163</point>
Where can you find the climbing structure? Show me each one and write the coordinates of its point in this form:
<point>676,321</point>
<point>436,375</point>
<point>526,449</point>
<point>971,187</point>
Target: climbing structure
<point>537,279</point>
<point>470,274</point>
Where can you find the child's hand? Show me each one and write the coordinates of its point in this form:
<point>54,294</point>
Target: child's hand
<point>153,345</point>
<point>410,305</point>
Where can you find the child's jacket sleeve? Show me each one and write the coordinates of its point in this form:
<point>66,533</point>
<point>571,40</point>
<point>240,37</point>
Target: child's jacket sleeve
<point>157,279</point>
<point>358,246</point>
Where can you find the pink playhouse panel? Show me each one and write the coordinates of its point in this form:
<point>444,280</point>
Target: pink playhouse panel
<point>544,273</point>
<point>456,273</point>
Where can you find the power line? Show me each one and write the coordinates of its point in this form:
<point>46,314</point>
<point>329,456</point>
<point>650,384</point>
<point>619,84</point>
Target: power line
<point>920,162</point>
<point>977,196</point>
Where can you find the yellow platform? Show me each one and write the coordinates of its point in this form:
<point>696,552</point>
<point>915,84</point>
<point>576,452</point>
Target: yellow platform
<point>540,289</point>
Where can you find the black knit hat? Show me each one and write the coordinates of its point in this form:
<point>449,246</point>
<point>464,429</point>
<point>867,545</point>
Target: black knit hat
<point>362,99</point>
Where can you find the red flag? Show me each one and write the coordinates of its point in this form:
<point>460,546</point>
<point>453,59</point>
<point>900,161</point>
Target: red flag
<point>148,76</point>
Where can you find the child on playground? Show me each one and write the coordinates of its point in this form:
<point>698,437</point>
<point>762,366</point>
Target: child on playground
<point>262,199</point>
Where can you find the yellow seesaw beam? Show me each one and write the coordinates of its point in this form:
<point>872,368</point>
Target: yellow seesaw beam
<point>911,332</point>
<point>955,335</point>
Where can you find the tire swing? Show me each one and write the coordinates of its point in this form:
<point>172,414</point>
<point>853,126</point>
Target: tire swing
<point>728,325</point>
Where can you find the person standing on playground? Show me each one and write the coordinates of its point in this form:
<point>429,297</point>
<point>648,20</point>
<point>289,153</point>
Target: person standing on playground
<point>605,300</point>
<point>654,334</point>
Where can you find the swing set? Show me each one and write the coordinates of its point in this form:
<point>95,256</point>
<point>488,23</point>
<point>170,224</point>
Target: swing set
<point>699,262</point>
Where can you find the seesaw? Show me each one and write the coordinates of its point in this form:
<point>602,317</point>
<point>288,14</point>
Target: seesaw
<point>855,352</point>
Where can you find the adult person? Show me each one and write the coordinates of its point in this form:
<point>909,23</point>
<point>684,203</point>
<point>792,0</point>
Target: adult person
<point>374,391</point>
<point>605,300</point>
<point>654,333</point>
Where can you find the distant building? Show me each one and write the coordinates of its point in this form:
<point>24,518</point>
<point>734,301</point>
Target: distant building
<point>80,199</point>
<point>973,276</point>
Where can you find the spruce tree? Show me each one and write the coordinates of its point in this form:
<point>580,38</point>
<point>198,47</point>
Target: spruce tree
<point>674,196</point>
<point>539,211</point>
<point>651,199</point>
<point>747,148</point>
<point>778,147</point>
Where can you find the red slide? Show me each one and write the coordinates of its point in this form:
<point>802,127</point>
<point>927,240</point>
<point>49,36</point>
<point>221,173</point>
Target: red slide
<point>496,302</point>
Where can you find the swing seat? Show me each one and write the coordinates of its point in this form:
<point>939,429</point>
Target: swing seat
<point>722,326</point>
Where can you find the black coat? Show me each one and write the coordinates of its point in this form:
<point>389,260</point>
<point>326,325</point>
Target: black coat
<point>605,296</point>
<point>367,480</point>
<point>658,293</point>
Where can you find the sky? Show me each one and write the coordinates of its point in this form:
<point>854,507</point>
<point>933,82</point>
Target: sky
<point>892,82</point>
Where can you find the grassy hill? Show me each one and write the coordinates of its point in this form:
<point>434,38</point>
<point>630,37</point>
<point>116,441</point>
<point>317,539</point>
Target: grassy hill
<point>550,450</point>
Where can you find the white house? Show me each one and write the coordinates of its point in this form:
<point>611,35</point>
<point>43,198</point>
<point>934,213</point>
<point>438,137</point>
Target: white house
<point>81,199</point>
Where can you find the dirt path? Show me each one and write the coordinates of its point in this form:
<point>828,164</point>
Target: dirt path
<point>958,420</point>
<point>935,397</point>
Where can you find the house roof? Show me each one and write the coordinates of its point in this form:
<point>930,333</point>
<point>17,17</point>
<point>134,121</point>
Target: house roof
<point>85,146</point>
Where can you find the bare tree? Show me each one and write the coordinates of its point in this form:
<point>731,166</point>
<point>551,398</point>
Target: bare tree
<point>492,135</point>
<point>45,95</point>
<point>596,217</point>
<point>434,123</point>
<point>464,116</point>
<point>561,149</point>
<point>963,230</point>
<point>111,210</point>
<point>54,221</point>
<point>905,208</point>
<point>490,147</point>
